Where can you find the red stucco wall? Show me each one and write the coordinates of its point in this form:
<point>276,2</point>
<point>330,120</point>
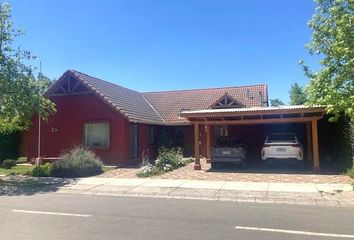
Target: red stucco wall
<point>72,113</point>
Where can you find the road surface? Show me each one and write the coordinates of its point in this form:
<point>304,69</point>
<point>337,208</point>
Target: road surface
<point>71,216</point>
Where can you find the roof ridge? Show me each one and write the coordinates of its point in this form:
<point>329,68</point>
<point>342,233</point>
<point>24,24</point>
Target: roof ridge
<point>178,90</point>
<point>117,85</point>
<point>158,114</point>
<point>211,88</point>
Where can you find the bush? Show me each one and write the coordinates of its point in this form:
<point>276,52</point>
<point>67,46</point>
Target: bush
<point>148,170</point>
<point>77,162</point>
<point>167,160</point>
<point>9,145</point>
<point>21,160</point>
<point>350,172</point>
<point>42,170</point>
<point>8,163</point>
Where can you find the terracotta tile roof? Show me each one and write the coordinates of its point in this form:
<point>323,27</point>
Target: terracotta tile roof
<point>163,108</point>
<point>170,103</point>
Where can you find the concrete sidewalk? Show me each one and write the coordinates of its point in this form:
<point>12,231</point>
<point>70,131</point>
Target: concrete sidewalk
<point>262,192</point>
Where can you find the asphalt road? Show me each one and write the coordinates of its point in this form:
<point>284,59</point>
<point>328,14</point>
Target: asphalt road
<point>70,216</point>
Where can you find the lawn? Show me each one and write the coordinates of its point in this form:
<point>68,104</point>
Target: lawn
<point>25,170</point>
<point>17,170</point>
<point>107,169</point>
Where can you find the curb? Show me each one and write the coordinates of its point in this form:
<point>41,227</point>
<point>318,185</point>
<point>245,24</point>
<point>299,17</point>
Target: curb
<point>234,199</point>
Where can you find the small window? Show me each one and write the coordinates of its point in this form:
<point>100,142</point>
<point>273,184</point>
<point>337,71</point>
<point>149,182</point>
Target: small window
<point>134,140</point>
<point>151,135</point>
<point>221,131</point>
<point>97,135</point>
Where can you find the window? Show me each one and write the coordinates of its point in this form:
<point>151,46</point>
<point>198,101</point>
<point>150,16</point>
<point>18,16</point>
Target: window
<point>97,135</point>
<point>285,137</point>
<point>151,137</point>
<point>134,140</point>
<point>221,131</point>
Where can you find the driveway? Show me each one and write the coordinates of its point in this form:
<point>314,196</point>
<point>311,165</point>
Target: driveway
<point>207,173</point>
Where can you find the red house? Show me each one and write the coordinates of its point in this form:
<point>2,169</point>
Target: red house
<point>120,124</point>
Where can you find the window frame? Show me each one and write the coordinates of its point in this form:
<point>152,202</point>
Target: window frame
<point>151,135</point>
<point>109,134</point>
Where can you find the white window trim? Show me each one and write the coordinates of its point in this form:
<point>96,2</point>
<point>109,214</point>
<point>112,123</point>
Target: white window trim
<point>109,134</point>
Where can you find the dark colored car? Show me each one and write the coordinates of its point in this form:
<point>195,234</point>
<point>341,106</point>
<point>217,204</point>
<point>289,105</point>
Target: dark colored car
<point>229,150</point>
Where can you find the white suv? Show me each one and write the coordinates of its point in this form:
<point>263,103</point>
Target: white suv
<point>282,146</point>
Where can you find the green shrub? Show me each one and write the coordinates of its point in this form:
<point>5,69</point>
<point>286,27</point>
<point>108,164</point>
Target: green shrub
<point>42,170</point>
<point>21,160</point>
<point>9,145</point>
<point>169,158</point>
<point>8,163</point>
<point>148,170</point>
<point>77,162</point>
<point>350,172</point>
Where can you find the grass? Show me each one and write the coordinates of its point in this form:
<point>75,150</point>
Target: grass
<point>26,169</point>
<point>17,170</point>
<point>107,169</point>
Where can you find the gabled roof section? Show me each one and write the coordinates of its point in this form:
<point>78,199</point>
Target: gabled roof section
<point>68,85</point>
<point>226,101</point>
<point>128,102</point>
<point>160,108</point>
<point>170,103</point>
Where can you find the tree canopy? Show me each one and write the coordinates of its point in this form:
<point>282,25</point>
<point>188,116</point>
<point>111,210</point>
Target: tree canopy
<point>332,28</point>
<point>20,92</point>
<point>276,102</point>
<point>297,95</point>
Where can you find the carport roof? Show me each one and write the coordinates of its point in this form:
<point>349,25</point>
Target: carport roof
<point>251,115</point>
<point>255,110</point>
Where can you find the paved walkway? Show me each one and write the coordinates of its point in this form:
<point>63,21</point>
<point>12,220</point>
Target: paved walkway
<point>320,194</point>
<point>260,192</point>
<point>207,173</point>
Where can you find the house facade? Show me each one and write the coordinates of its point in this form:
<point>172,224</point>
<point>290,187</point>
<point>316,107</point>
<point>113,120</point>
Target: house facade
<point>123,126</point>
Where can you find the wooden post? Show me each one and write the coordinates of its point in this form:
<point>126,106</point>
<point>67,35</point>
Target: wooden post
<point>309,142</point>
<point>197,165</point>
<point>208,154</point>
<point>316,160</point>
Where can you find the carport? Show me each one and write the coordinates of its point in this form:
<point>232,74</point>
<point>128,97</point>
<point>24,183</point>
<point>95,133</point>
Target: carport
<point>256,116</point>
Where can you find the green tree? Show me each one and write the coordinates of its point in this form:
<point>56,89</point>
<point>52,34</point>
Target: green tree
<point>20,92</point>
<point>276,102</point>
<point>332,28</point>
<point>297,95</point>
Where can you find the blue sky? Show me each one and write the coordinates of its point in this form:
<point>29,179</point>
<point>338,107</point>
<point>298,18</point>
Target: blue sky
<point>149,45</point>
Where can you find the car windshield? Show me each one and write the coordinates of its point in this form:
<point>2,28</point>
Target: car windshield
<point>228,142</point>
<point>281,138</point>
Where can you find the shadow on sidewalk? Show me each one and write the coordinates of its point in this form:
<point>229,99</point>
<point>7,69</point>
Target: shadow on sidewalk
<point>24,185</point>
